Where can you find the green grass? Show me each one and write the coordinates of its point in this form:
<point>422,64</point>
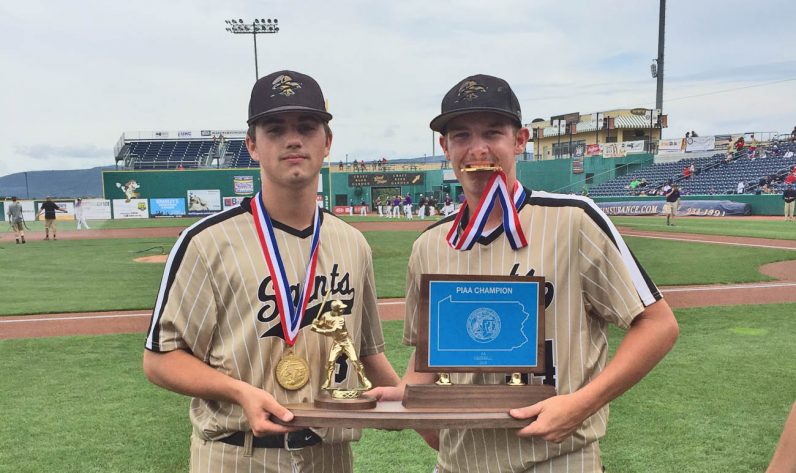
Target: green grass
<point>89,275</point>
<point>677,263</point>
<point>390,259</point>
<point>80,275</point>
<point>717,403</point>
<point>776,229</point>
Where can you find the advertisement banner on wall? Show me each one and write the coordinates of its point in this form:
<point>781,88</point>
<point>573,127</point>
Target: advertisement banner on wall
<point>632,146</point>
<point>671,146</point>
<point>204,201</point>
<point>613,150</point>
<point>97,209</point>
<point>167,207</point>
<point>386,179</point>
<point>577,165</point>
<point>243,185</point>
<point>698,208</point>
<point>349,209</point>
<point>700,143</point>
<point>134,208</point>
<point>594,150</point>
<point>230,202</point>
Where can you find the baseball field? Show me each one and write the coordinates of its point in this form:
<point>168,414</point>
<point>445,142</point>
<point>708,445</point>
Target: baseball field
<point>73,396</point>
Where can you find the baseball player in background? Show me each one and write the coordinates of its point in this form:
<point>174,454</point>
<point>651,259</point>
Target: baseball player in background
<point>16,219</point>
<point>80,215</point>
<point>591,279</point>
<point>240,288</point>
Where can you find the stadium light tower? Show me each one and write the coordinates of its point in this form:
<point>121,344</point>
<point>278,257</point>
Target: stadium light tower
<point>258,26</point>
<point>658,71</point>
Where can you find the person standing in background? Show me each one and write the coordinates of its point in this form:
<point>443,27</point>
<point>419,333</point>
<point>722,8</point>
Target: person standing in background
<point>48,208</point>
<point>80,215</point>
<point>672,204</point>
<point>16,219</point>
<point>789,196</point>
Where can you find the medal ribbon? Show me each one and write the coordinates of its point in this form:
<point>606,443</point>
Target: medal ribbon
<point>496,190</point>
<point>291,315</point>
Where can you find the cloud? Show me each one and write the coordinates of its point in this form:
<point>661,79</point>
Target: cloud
<point>383,66</point>
<point>47,152</point>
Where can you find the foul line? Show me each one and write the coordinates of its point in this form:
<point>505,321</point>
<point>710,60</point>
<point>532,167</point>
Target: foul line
<point>641,235</point>
<point>85,317</point>
<point>724,288</point>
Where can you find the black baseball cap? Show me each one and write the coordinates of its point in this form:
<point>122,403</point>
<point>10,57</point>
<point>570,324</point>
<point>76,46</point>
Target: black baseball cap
<point>478,93</point>
<point>286,91</point>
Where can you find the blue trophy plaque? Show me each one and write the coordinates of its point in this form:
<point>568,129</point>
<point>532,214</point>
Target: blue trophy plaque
<point>481,323</point>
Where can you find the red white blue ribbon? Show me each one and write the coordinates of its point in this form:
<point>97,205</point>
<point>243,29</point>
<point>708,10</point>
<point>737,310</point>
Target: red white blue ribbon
<point>496,190</point>
<point>290,314</point>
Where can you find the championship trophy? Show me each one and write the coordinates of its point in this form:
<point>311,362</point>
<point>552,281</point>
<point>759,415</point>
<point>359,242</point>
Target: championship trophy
<point>467,324</point>
<point>479,324</point>
<point>332,324</point>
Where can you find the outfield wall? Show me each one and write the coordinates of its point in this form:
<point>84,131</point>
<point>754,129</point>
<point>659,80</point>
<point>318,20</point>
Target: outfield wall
<point>345,188</point>
<point>761,204</point>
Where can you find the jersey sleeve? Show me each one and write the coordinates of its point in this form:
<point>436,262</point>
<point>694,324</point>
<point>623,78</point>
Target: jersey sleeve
<point>412,298</point>
<point>614,284</point>
<point>372,337</point>
<point>185,314</point>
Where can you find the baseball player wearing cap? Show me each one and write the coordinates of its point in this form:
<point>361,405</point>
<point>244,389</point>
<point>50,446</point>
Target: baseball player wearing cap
<point>591,279</point>
<point>241,289</point>
<point>48,208</point>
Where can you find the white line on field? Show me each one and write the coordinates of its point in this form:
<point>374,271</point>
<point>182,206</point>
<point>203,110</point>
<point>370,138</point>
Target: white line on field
<point>85,317</point>
<point>707,241</point>
<point>724,288</point>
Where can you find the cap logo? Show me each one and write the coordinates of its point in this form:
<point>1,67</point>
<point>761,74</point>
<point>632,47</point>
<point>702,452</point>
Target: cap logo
<point>469,90</point>
<point>285,85</point>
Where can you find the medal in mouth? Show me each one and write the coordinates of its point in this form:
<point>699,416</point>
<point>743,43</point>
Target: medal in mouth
<point>480,166</point>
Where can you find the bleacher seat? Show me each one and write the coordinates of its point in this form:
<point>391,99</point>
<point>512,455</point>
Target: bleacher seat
<point>713,176</point>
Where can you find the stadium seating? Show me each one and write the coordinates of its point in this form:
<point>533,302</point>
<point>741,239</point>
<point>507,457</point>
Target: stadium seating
<point>237,156</point>
<point>187,154</point>
<point>713,176</point>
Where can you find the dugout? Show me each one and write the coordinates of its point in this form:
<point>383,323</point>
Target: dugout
<point>353,187</point>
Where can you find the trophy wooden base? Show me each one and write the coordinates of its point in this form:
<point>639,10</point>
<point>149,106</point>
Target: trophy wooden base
<point>464,396</point>
<point>325,401</point>
<point>393,416</point>
<point>463,409</point>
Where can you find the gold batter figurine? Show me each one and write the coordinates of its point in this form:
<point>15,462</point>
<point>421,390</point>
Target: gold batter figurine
<point>331,323</point>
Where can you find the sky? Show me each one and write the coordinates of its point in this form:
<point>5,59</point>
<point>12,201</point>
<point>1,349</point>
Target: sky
<point>76,75</point>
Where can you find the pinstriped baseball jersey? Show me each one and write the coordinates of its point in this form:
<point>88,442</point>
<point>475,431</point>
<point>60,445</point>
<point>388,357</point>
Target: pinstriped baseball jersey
<point>216,300</point>
<point>591,279</point>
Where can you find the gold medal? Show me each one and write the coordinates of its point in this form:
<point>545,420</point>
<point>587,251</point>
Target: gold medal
<point>292,371</point>
<point>476,167</point>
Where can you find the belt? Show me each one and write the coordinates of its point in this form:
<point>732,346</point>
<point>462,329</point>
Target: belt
<point>289,441</point>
